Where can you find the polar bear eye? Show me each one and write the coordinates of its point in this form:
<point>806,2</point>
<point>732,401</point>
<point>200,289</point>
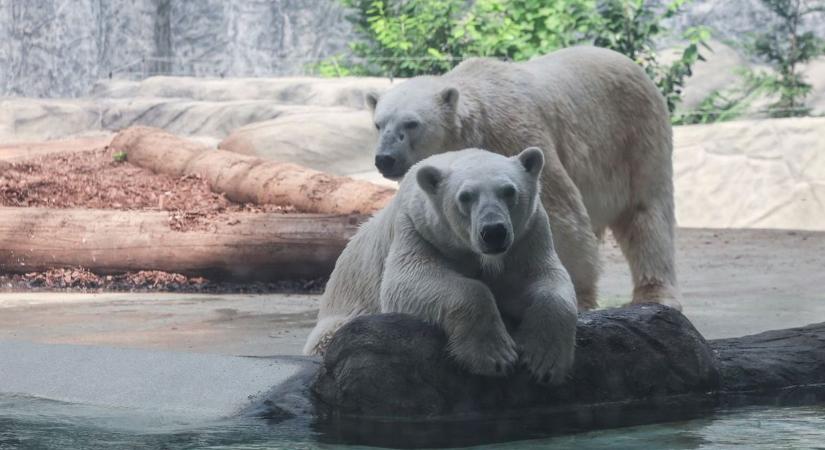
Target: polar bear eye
<point>508,191</point>
<point>465,197</point>
<point>377,127</point>
<point>411,125</point>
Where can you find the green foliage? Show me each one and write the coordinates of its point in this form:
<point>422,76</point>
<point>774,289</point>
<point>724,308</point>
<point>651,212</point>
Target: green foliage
<point>630,27</point>
<point>412,37</point>
<point>404,38</point>
<point>521,29</point>
<point>119,157</point>
<point>727,104</point>
<point>333,67</point>
<point>784,46</point>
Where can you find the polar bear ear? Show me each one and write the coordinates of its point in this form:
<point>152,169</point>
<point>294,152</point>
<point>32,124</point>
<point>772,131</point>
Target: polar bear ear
<point>429,178</point>
<point>532,158</point>
<point>371,99</point>
<point>449,97</point>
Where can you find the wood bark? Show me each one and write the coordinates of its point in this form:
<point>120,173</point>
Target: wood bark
<point>248,246</point>
<point>247,179</point>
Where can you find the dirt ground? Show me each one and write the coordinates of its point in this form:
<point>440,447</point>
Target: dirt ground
<point>734,282</point>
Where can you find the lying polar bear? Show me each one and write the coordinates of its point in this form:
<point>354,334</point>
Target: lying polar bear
<point>606,133</point>
<point>464,242</point>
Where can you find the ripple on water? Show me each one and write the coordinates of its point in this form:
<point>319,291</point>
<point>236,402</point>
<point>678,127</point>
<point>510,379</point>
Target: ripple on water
<point>28,423</point>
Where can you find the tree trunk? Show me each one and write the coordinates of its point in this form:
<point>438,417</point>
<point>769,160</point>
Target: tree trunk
<point>249,246</point>
<point>246,179</point>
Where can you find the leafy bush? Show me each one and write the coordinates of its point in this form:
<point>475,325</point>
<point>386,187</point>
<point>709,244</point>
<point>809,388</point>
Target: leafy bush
<point>631,26</point>
<point>521,29</point>
<point>412,37</point>
<point>402,38</point>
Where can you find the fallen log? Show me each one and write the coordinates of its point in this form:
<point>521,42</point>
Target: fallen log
<point>245,246</point>
<point>247,179</point>
<point>386,380</point>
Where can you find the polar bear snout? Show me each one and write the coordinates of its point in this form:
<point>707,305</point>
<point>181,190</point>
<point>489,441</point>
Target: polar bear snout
<point>495,238</point>
<point>391,163</point>
<point>385,163</point>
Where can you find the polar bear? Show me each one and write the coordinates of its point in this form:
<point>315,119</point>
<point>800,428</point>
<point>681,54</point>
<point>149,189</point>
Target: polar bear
<point>464,244</point>
<point>606,134</point>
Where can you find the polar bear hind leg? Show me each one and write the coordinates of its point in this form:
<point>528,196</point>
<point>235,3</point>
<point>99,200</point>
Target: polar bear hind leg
<point>645,233</point>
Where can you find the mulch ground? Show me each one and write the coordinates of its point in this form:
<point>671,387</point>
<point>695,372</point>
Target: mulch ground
<point>81,280</point>
<point>96,179</point>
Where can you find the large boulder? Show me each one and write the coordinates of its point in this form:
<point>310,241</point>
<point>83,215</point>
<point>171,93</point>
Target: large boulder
<point>394,365</point>
<point>335,140</point>
<point>388,380</point>
<point>40,119</point>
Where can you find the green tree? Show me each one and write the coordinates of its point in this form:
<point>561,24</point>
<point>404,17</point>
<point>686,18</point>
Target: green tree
<point>521,29</point>
<point>413,37</point>
<point>785,46</point>
<point>403,38</point>
<point>631,27</point>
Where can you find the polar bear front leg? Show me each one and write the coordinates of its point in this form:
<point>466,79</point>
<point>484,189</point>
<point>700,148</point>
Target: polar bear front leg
<point>546,336</point>
<point>417,282</point>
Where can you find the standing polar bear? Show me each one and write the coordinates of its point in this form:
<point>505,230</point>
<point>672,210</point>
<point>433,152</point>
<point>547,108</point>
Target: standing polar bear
<point>605,131</point>
<point>464,244</point>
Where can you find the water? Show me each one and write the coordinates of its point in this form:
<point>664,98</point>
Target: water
<point>27,423</point>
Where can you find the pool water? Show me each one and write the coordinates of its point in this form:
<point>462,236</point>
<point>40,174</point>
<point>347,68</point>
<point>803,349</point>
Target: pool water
<point>28,423</point>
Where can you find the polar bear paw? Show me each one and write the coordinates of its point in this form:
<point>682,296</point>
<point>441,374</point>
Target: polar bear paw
<point>653,292</point>
<point>548,357</point>
<point>489,354</point>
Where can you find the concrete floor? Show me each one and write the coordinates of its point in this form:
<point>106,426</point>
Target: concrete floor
<point>734,282</point>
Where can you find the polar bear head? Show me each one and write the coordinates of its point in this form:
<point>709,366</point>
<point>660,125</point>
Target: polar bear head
<point>483,202</point>
<point>414,120</point>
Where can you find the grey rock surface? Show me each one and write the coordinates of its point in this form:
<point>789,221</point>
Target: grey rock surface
<point>204,107</point>
<point>58,48</point>
<point>335,140</point>
<point>41,119</point>
<point>345,91</point>
<point>731,20</point>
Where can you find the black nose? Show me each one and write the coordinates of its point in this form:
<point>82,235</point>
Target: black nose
<point>384,163</point>
<point>494,235</point>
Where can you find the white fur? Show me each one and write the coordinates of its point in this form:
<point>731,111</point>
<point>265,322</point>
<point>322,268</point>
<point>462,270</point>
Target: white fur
<point>606,134</point>
<point>421,255</point>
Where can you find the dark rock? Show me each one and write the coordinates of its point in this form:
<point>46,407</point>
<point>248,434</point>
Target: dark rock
<point>387,380</point>
<point>635,365</point>
<point>783,367</point>
<point>394,365</point>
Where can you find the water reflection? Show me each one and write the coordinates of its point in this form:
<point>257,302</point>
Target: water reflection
<point>27,423</point>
